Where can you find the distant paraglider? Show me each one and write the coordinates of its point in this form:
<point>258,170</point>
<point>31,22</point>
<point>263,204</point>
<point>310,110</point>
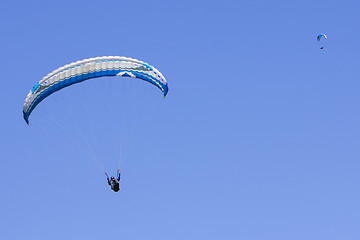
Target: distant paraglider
<point>321,35</point>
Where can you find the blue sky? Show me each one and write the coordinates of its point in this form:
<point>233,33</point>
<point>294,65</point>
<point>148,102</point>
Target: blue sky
<point>258,137</point>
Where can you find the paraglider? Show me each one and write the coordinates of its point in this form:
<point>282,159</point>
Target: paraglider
<point>114,182</point>
<point>321,35</point>
<point>80,71</point>
<point>92,68</point>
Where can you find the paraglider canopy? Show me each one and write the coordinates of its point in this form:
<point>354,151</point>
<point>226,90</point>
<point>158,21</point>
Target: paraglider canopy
<point>83,70</point>
<point>320,36</point>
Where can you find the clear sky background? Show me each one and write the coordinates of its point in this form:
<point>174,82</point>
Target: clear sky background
<point>258,137</point>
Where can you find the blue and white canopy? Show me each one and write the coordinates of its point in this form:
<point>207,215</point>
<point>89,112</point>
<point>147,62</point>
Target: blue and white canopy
<point>320,36</point>
<point>91,68</point>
